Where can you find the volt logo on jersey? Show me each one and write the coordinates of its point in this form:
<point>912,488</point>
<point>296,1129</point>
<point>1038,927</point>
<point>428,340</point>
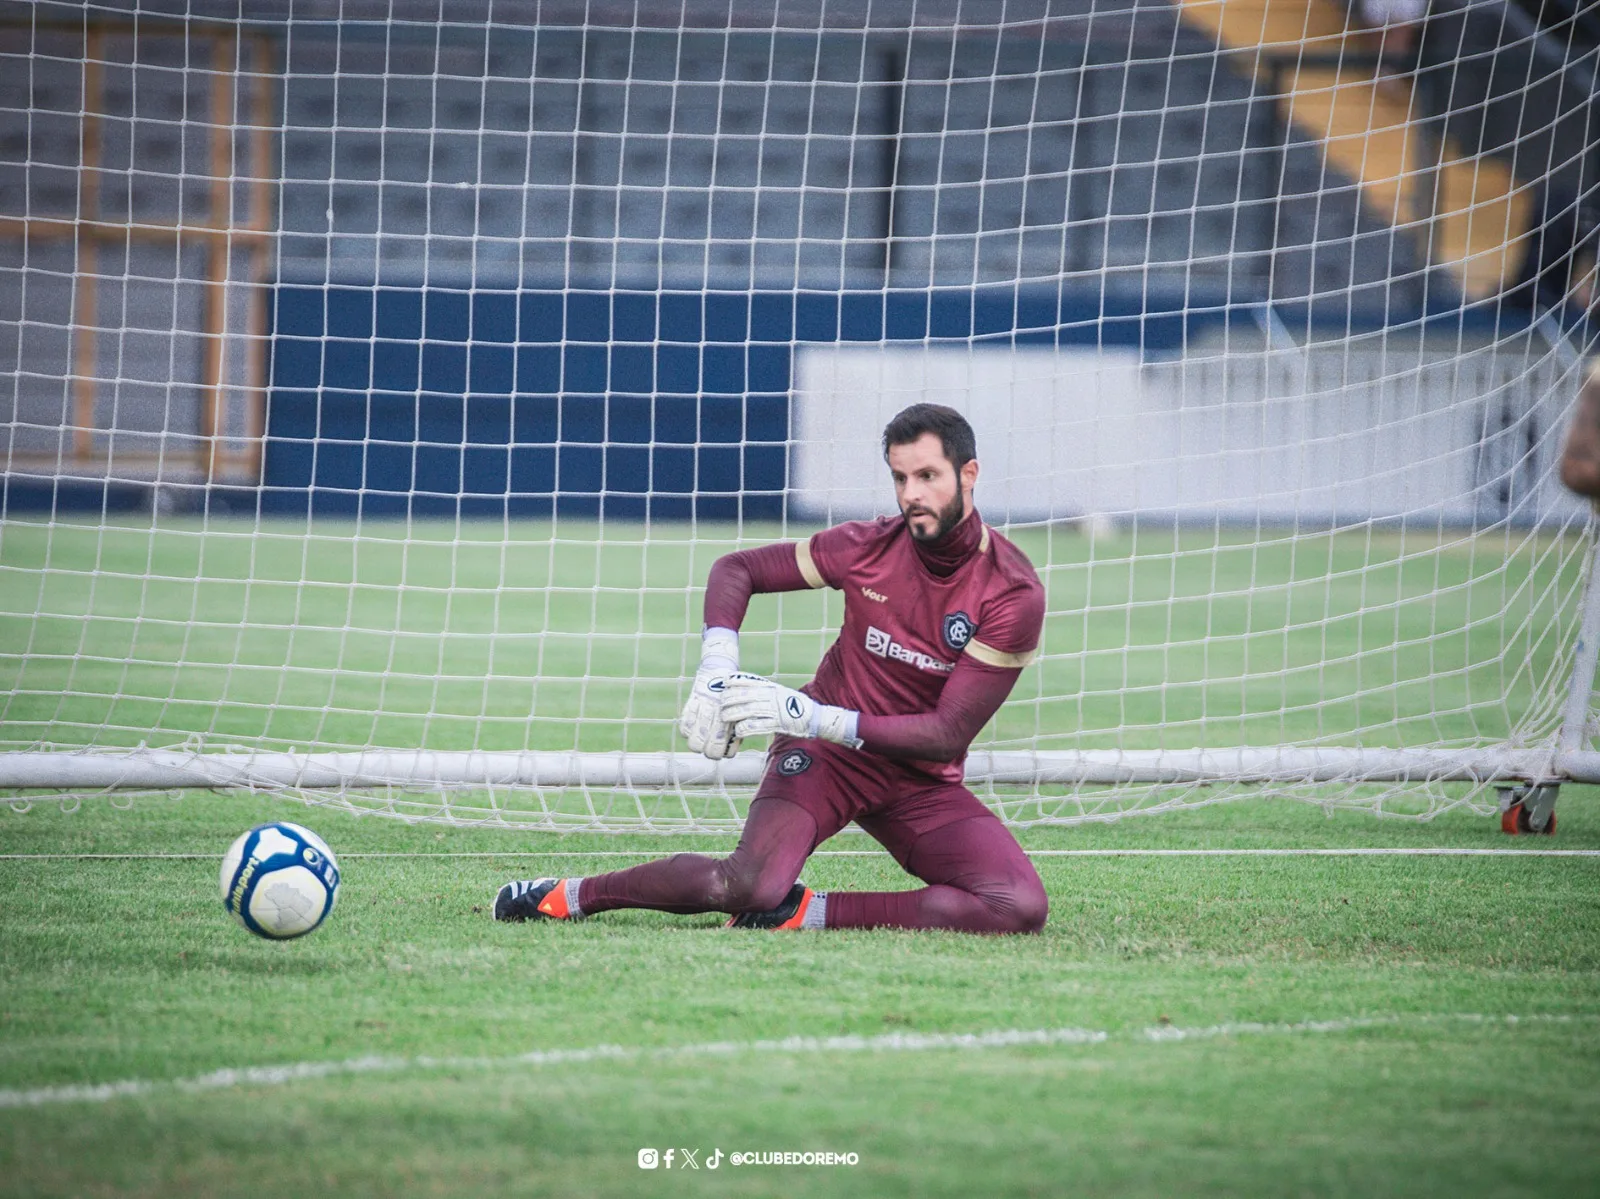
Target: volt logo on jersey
<point>796,761</point>
<point>958,630</point>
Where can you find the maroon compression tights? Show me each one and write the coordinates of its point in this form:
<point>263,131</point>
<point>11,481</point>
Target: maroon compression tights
<point>979,879</point>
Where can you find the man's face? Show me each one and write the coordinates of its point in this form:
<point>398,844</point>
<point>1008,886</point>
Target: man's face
<point>933,499</point>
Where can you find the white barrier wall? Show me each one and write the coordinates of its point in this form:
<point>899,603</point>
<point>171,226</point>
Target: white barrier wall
<point>1323,436</point>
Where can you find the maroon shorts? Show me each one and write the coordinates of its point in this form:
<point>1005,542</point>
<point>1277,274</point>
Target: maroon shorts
<point>836,785</point>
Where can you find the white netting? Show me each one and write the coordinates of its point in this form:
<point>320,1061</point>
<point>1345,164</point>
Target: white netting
<point>378,389</point>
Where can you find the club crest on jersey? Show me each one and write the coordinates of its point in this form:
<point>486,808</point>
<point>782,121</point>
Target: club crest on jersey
<point>796,761</point>
<point>958,630</point>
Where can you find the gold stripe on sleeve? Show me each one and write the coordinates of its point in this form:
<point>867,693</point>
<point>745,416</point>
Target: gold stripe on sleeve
<point>993,657</point>
<point>808,568</point>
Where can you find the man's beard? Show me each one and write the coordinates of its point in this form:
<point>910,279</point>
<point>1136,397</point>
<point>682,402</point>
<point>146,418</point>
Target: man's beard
<point>948,518</point>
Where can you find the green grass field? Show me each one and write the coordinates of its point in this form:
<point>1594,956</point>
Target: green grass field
<point>1232,1024</point>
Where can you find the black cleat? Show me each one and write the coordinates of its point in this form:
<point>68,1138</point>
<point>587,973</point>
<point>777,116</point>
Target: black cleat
<point>788,914</point>
<point>534,899</point>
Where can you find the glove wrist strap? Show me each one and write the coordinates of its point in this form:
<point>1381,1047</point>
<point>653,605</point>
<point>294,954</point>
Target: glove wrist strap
<point>835,724</point>
<point>719,649</point>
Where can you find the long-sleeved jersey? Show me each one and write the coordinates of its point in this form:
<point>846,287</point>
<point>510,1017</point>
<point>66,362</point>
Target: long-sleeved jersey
<point>926,658</point>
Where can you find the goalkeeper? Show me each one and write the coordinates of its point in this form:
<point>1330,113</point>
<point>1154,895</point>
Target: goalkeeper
<point>941,614</point>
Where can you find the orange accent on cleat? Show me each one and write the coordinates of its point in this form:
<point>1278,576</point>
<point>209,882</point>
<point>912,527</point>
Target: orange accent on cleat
<point>798,919</point>
<point>554,905</point>
<point>791,913</point>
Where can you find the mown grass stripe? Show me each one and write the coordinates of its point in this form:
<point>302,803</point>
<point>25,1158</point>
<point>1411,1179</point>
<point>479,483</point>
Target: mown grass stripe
<point>900,1042</point>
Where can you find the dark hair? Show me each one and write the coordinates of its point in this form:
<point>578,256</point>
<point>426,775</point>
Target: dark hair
<point>952,429</point>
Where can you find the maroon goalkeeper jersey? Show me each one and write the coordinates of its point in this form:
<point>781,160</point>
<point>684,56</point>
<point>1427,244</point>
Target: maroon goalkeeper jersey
<point>905,627</point>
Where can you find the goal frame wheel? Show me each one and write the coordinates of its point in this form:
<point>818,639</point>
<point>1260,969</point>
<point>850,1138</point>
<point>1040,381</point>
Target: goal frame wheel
<point>1529,810</point>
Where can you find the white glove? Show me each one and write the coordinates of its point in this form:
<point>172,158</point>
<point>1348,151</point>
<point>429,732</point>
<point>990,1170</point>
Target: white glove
<point>753,706</point>
<point>702,721</point>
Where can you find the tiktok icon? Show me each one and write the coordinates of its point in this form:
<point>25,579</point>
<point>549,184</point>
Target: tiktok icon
<point>714,1160</point>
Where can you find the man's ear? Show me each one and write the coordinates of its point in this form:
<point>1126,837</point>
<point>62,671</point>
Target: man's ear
<point>969,474</point>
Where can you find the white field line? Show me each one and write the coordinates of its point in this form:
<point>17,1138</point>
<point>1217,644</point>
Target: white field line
<point>1356,852</point>
<point>244,1076</point>
<point>1171,1032</point>
<point>298,1071</point>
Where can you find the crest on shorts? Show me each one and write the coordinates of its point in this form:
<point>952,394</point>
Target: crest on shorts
<point>958,630</point>
<point>796,761</point>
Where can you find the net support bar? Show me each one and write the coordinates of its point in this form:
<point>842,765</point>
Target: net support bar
<point>1585,656</point>
<point>173,769</point>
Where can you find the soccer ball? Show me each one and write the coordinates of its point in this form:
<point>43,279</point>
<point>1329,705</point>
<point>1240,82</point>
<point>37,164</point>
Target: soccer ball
<point>280,880</point>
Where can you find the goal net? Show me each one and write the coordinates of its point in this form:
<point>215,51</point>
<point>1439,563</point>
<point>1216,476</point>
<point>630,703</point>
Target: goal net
<point>375,394</point>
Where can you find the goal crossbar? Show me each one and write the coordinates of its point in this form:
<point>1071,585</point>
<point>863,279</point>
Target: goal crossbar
<point>167,769</point>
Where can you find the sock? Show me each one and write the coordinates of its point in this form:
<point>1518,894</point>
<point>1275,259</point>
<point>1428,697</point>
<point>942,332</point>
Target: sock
<point>778,837</point>
<point>574,908</point>
<point>816,911</point>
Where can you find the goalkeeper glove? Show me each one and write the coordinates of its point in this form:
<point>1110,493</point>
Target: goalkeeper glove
<point>753,705</point>
<point>702,722</point>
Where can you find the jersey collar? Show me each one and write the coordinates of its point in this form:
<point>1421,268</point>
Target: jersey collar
<point>956,548</point>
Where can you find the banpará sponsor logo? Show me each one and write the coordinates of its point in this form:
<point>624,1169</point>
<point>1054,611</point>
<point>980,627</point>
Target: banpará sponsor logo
<point>885,646</point>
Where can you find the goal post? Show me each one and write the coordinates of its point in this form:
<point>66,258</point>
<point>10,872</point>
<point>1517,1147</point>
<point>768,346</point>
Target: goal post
<point>376,395</point>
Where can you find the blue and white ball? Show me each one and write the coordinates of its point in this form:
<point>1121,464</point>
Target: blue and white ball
<point>280,880</point>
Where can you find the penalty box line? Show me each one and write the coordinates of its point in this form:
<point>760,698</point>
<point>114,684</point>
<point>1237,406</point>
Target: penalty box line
<point>1352,852</point>
<point>244,1076</point>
